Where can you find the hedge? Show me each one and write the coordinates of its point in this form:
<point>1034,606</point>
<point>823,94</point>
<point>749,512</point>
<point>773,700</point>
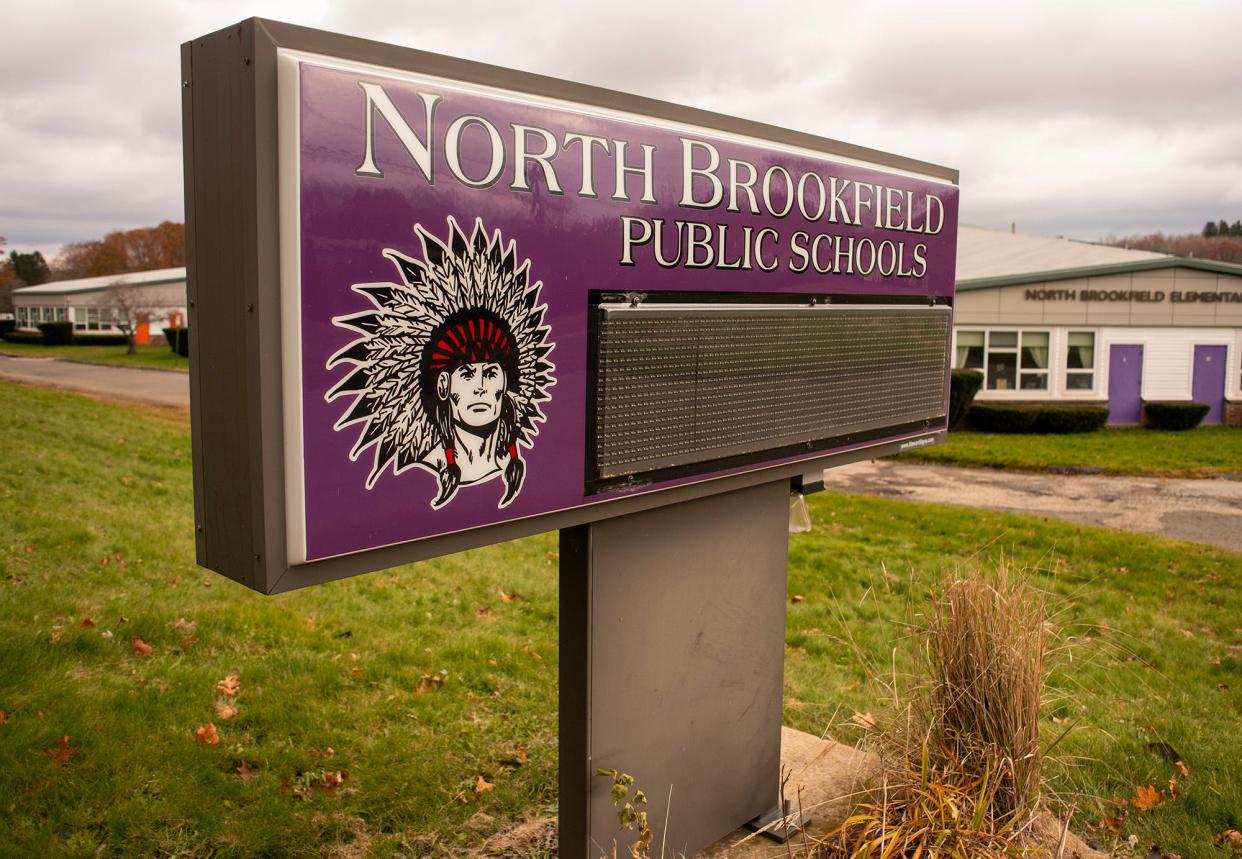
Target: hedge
<point>178,340</point>
<point>1164,415</point>
<point>1067,419</point>
<point>22,337</point>
<point>963,385</point>
<point>57,333</point>
<point>78,340</point>
<point>1002,418</point>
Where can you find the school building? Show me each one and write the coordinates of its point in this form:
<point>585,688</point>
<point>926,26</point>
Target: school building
<point>1052,320</point>
<point>157,300</point>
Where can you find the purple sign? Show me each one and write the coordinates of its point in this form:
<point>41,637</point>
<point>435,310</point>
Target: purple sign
<point>444,238</point>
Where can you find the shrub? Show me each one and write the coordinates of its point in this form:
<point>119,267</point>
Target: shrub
<point>178,340</point>
<point>100,340</point>
<point>963,385</point>
<point>991,417</point>
<point>22,337</point>
<point>1174,415</point>
<point>57,333</point>
<point>6,325</point>
<point>1069,419</point>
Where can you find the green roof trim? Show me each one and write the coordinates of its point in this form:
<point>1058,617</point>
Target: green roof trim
<point>1099,271</point>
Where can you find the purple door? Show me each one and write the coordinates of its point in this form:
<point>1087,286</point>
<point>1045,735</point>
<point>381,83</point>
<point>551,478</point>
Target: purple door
<point>1209,381</point>
<point>1125,384</point>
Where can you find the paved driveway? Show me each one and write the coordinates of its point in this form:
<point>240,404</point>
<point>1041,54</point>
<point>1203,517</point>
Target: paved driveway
<point>158,387</point>
<point>1204,511</point>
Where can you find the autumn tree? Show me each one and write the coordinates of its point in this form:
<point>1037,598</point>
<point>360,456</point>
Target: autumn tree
<point>123,251</point>
<point>7,276</point>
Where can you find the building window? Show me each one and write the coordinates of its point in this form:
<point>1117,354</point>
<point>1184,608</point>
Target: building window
<point>1002,360</point>
<point>92,319</point>
<point>1034,361</point>
<point>21,317</point>
<point>62,314</point>
<point>970,350</point>
<point>1010,360</point>
<point>79,319</point>
<point>1080,361</point>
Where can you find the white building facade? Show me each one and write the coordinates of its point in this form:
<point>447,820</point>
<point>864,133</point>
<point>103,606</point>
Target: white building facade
<point>156,298</point>
<point>1056,321</point>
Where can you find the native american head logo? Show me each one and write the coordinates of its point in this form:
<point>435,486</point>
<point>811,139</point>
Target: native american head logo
<point>450,365</point>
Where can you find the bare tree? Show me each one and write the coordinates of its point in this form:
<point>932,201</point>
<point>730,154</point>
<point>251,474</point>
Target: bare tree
<point>127,307</point>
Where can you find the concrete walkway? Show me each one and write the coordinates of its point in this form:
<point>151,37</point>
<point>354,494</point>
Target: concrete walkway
<point>1203,511</point>
<point>156,387</point>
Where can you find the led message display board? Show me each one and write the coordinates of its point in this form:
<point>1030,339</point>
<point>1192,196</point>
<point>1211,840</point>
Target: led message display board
<point>476,303</point>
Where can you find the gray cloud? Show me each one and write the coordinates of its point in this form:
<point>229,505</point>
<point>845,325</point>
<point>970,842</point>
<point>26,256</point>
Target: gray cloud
<point>1068,118</point>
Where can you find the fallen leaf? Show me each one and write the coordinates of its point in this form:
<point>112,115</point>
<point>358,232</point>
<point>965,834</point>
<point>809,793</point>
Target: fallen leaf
<point>797,598</point>
<point>794,704</point>
<point>87,623</point>
<point>481,787</point>
<point>188,642</point>
<point>1060,720</point>
<point>492,662</point>
<point>535,656</point>
<point>140,647</point>
<point>29,549</point>
<point>244,772</point>
<point>207,735</point>
<point>487,613</point>
<point>185,627</point>
<point>1186,633</point>
<point>356,671</point>
<point>62,753</point>
<point>106,635</point>
<point>1208,631</point>
<point>225,710</point>
<point>428,683</point>
<point>1182,768</point>
<point>310,620</point>
<point>1145,798</point>
<point>57,632</point>
<point>504,597</point>
<point>1222,687</point>
<point>866,721</point>
<point>522,754</point>
<point>1231,837</point>
<point>1111,824</point>
<point>230,685</point>
<point>4,717</point>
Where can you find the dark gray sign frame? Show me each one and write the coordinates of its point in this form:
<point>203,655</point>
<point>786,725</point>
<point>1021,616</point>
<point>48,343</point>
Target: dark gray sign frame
<point>229,115</point>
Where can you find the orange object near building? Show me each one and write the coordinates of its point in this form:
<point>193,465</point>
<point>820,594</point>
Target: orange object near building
<point>142,334</point>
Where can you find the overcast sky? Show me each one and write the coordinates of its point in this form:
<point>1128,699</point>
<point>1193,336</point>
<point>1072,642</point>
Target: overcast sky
<point>1081,119</point>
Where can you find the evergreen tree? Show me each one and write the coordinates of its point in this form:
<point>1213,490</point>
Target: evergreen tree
<point>1236,229</point>
<point>1209,230</point>
<point>1222,227</point>
<point>31,267</point>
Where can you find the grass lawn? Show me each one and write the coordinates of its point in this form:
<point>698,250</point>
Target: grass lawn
<point>1202,452</point>
<point>156,356</point>
<point>96,522</point>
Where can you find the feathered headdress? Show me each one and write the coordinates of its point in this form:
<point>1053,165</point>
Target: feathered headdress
<point>417,327</point>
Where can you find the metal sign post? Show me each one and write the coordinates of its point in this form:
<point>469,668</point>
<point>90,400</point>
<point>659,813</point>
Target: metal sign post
<point>672,650</point>
<point>439,304</point>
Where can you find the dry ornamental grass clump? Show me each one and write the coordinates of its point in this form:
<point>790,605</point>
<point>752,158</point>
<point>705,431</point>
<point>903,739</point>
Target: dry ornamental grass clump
<point>963,757</point>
